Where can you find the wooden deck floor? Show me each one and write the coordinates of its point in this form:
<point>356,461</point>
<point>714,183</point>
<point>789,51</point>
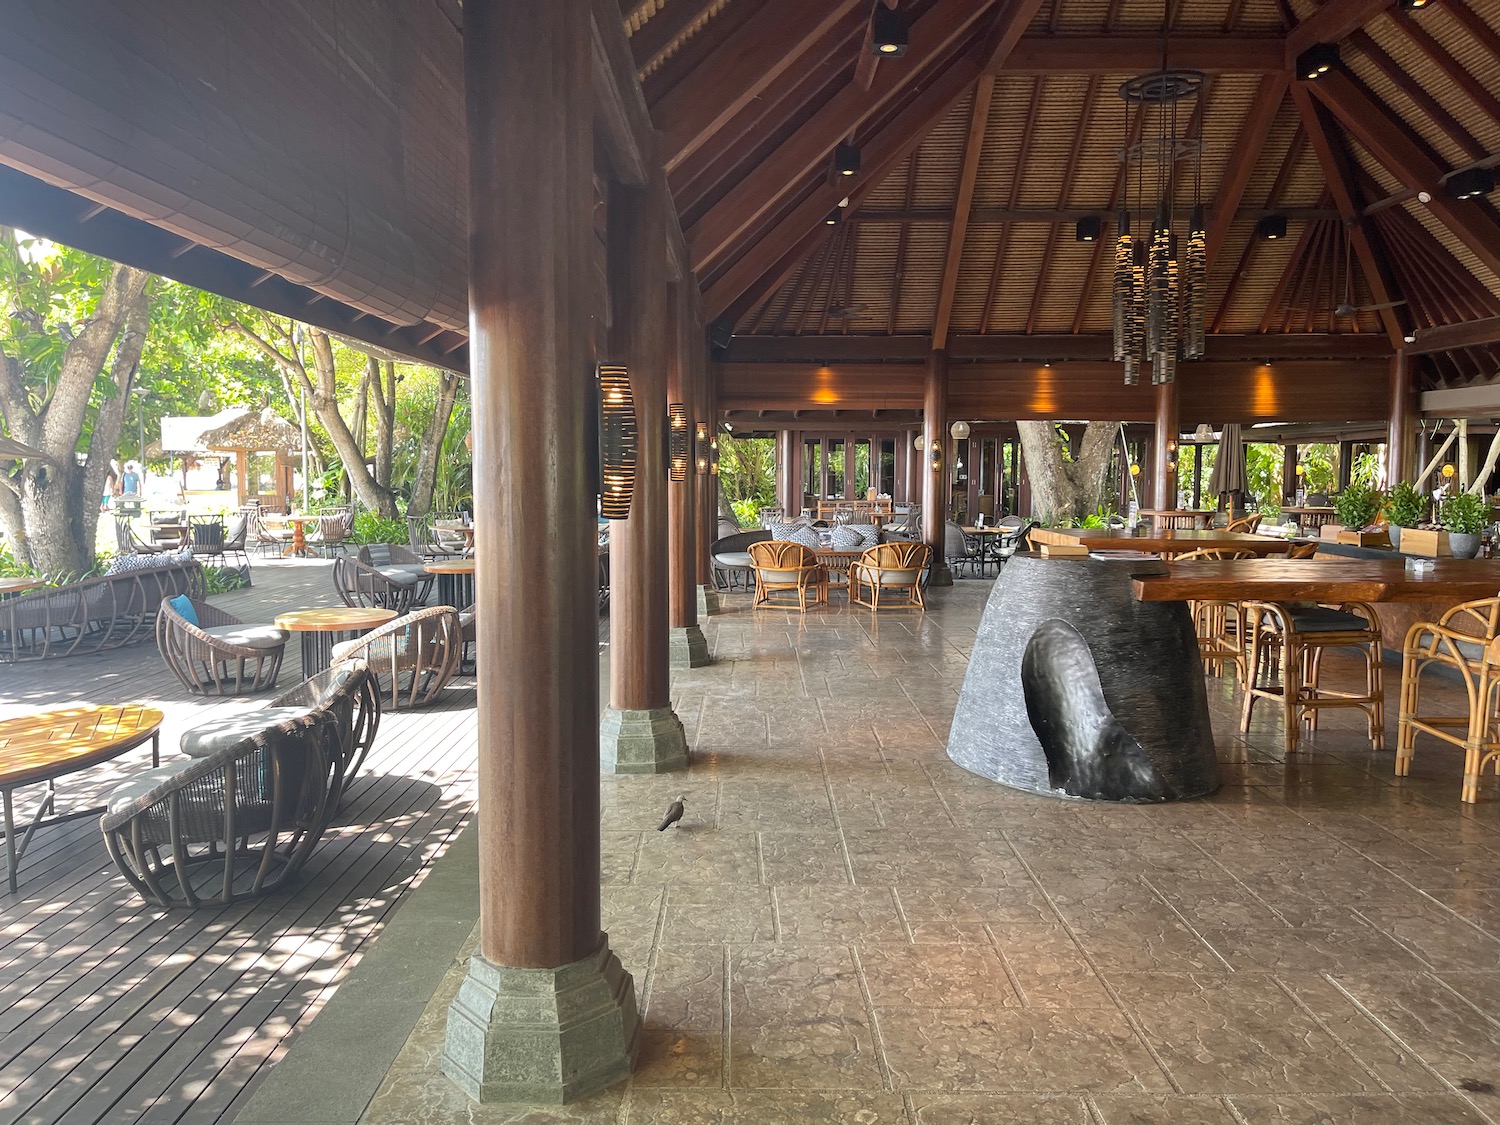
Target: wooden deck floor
<point>112,1010</point>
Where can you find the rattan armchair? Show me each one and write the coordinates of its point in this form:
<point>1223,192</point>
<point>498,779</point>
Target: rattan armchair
<point>219,654</point>
<point>349,692</point>
<point>360,584</point>
<point>412,657</point>
<point>783,566</point>
<point>890,569</point>
<point>273,533</point>
<point>1219,625</point>
<point>128,542</point>
<point>395,560</point>
<point>332,533</point>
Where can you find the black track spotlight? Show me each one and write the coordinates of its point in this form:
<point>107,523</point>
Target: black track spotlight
<point>834,217</point>
<point>846,160</point>
<point>890,33</point>
<point>1470,183</point>
<point>1088,229</point>
<point>1317,60</point>
<point>1272,226</point>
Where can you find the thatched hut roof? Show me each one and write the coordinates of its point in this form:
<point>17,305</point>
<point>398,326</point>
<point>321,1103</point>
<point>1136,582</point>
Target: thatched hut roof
<point>13,450</point>
<point>254,432</point>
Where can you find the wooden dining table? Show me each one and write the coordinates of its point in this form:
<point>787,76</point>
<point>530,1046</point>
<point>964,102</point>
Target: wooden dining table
<point>1184,519</point>
<point>1165,542</point>
<point>1320,580</point>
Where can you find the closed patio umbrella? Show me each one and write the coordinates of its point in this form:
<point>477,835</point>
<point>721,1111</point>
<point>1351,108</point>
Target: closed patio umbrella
<point>1229,467</point>
<point>13,450</point>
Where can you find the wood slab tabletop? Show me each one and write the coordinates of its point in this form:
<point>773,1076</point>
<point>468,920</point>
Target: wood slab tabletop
<point>1168,541</point>
<point>1320,580</point>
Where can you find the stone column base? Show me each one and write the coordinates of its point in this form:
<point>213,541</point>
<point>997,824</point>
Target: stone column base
<point>642,741</point>
<point>542,1036</point>
<point>687,648</point>
<point>708,601</point>
<point>939,575</point>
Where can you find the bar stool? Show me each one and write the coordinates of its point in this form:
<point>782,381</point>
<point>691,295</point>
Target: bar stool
<point>1219,625</point>
<point>1290,637</point>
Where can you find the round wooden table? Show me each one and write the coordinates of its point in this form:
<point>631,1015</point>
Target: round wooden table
<point>12,586</point>
<point>298,545</point>
<point>455,581</point>
<point>321,629</point>
<point>49,744</point>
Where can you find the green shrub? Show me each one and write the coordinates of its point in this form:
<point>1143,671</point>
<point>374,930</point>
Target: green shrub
<point>222,579</point>
<point>1464,514</point>
<point>1358,506</point>
<point>747,511</point>
<point>1405,506</point>
<point>372,528</point>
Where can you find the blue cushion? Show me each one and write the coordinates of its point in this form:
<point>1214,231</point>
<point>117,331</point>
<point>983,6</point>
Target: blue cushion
<point>184,607</point>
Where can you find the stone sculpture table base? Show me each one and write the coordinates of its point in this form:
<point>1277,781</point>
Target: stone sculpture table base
<point>1075,689</point>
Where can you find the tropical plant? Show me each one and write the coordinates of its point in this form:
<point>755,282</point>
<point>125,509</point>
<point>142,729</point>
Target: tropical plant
<point>1358,506</point>
<point>747,512</point>
<point>222,579</point>
<point>1406,506</point>
<point>1464,514</point>
<point>371,527</point>
<point>747,469</point>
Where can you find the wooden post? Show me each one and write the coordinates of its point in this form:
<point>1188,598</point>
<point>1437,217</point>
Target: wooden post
<point>786,471</point>
<point>1400,438</point>
<point>935,484</point>
<point>1289,472</point>
<point>527,78</point>
<point>688,647</point>
<point>708,514</point>
<point>1163,453</point>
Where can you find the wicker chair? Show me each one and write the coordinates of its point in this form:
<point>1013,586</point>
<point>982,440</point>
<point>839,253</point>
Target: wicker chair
<point>394,560</point>
<point>412,657</point>
<point>888,569</point>
<point>350,692</point>
<point>425,543</point>
<point>237,823</point>
<point>1219,625</point>
<point>206,536</point>
<point>95,614</point>
<point>331,534</point>
<point>359,584</point>
<point>128,542</point>
<point>274,536</point>
<point>219,654</point>
<point>781,565</point>
<point>1245,524</point>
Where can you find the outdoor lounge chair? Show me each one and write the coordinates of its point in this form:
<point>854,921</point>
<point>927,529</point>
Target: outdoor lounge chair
<point>395,560</point>
<point>782,566</point>
<point>425,542</point>
<point>412,657</point>
<point>128,542</point>
<point>332,533</point>
<point>216,653</point>
<point>273,535</point>
<point>360,584</point>
<point>890,569</point>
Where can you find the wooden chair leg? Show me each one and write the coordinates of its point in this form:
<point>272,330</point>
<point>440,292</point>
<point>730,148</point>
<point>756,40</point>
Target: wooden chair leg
<point>1406,734</point>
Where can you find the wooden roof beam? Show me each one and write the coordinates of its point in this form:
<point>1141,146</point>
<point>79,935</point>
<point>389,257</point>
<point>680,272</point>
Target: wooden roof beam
<point>1434,109</point>
<point>1477,92</point>
<point>1388,139</point>
<point>1332,22</point>
<point>1338,172</point>
<point>1128,54</point>
<point>1084,116</point>
<point>1092,346</point>
<point>717,233</point>
<point>979,120</point>
<point>739,70</point>
<point>1116,193</point>
<point>665,28</point>
<point>1475,333</point>
<point>1244,159</point>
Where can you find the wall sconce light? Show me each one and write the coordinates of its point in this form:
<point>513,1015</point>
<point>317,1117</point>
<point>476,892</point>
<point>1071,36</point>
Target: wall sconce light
<point>1449,471</point>
<point>1172,447</point>
<point>1301,470</point>
<point>937,456</point>
<point>677,441</point>
<point>700,448</point>
<point>619,441</point>
<point>713,456</point>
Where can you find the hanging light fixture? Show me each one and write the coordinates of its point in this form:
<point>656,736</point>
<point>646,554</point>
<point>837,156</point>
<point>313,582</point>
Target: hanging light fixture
<point>959,430</point>
<point>1204,432</point>
<point>677,441</point>
<point>619,441</point>
<point>1159,290</point>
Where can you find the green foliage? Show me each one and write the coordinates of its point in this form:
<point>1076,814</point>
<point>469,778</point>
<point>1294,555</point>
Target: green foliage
<point>372,528</point>
<point>1365,468</point>
<point>747,469</point>
<point>1464,513</point>
<point>222,579</point>
<point>1318,461</point>
<point>1405,506</point>
<point>1358,505</point>
<point>747,512</point>
<point>11,567</point>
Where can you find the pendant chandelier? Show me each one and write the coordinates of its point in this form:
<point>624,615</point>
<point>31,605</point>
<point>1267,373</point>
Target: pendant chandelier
<point>1160,282</point>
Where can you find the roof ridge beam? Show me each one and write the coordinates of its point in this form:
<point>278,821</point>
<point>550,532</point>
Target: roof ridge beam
<point>1122,54</point>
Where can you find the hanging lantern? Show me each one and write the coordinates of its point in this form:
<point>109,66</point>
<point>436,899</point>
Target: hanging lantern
<point>677,442</point>
<point>959,430</point>
<point>619,441</point>
<point>1195,290</point>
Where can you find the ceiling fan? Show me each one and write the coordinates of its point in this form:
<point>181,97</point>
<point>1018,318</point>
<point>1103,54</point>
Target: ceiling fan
<point>1348,307</point>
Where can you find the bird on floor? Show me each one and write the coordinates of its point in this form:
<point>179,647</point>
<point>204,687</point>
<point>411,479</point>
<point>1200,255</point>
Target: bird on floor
<point>674,814</point>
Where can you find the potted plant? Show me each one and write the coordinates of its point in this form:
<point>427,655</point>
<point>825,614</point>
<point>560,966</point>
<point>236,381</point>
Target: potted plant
<point>1404,507</point>
<point>1357,507</point>
<point>1463,515</point>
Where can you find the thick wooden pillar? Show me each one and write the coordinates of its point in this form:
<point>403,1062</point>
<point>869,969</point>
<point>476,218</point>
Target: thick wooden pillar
<point>1400,438</point>
<point>527,78</point>
<point>688,648</point>
<point>1290,482</point>
<point>935,484</point>
<point>708,514</point>
<point>1163,447</point>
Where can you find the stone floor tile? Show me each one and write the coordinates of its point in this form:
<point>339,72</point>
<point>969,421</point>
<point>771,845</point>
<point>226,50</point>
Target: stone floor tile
<point>1445,1030</point>
<point>1048,967</point>
<point>935,976</point>
<point>795,806</point>
<point>1024,1051</point>
<point>1124,926</point>
<point>1144,1110</point>
<point>997,1109</point>
<point>838,915</point>
<point>1394,1066</point>
<point>1444,940</point>
<point>786,983</point>
<point>698,855</point>
<point>631,913</point>
<point>762,1107</point>
<point>429,1098</point>
<point>682,1032</point>
<point>808,1053</point>
<point>706,914</point>
<point>1020,902</point>
<point>801,858</point>
<point>1397,1109</point>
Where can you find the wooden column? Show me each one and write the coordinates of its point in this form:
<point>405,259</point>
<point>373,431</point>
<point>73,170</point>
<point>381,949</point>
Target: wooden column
<point>1163,456</point>
<point>1400,438</point>
<point>708,517</point>
<point>786,472</point>
<point>1289,479</point>
<point>688,647</point>
<point>935,484</point>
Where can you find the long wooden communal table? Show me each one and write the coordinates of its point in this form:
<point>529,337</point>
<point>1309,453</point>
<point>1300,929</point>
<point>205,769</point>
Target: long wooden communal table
<point>1166,542</point>
<point>1320,580</point>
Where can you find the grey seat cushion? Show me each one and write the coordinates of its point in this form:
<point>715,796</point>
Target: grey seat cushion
<point>250,636</point>
<point>734,560</point>
<point>217,734</point>
<point>127,793</point>
<point>401,575</point>
<point>1316,619</point>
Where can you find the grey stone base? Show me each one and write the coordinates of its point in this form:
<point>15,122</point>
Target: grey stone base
<point>642,741</point>
<point>939,575</point>
<point>708,602</point>
<point>688,648</point>
<point>542,1036</point>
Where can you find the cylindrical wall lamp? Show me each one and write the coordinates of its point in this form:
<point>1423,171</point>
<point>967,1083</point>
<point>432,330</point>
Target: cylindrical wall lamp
<point>619,441</point>
<point>713,455</point>
<point>677,442</point>
<point>700,448</point>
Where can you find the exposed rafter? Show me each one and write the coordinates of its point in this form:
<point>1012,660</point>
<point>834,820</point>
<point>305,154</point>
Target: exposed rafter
<point>979,119</point>
<point>1244,159</point>
<point>665,28</point>
<point>1128,54</point>
<point>1331,23</point>
<point>1474,333</point>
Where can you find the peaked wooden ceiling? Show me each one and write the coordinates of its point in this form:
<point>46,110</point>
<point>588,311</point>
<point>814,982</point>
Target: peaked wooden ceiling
<point>999,128</point>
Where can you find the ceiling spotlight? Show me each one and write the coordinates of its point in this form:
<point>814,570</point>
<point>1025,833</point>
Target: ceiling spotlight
<point>833,217</point>
<point>1470,183</point>
<point>1414,5</point>
<point>846,160</point>
<point>890,34</point>
<point>1424,197</point>
<point>1410,337</point>
<point>1088,229</point>
<point>1272,226</point>
<point>1317,60</point>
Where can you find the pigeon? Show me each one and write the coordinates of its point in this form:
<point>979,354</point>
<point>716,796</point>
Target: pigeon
<point>674,814</point>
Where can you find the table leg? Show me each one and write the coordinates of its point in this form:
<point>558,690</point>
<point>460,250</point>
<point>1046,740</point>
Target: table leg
<point>10,843</point>
<point>317,652</point>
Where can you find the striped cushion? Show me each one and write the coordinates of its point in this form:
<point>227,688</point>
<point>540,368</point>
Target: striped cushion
<point>806,536</point>
<point>846,538</point>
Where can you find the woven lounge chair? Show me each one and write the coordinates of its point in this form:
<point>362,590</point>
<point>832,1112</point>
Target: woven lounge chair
<point>394,560</point>
<point>412,657</point>
<point>890,569</point>
<point>128,542</point>
<point>217,653</point>
<point>359,584</point>
<point>782,566</point>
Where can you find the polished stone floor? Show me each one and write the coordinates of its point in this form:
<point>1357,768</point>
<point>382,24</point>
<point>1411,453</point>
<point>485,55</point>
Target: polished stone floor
<point>848,928</point>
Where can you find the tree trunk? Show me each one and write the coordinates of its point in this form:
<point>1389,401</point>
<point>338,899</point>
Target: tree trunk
<point>432,445</point>
<point>1065,488</point>
<point>383,395</point>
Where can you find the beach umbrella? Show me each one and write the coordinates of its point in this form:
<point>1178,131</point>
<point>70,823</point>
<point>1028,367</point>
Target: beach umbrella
<point>1229,473</point>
